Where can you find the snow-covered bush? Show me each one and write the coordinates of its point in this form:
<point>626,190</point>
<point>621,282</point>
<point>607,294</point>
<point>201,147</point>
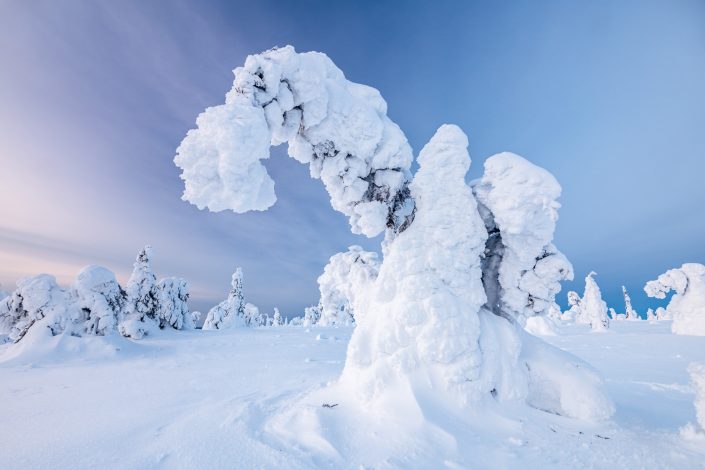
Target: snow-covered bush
<point>428,322</point>
<point>629,311</point>
<point>141,308</point>
<point>230,313</point>
<point>37,299</point>
<point>100,299</point>
<point>593,308</point>
<point>687,306</point>
<point>172,305</point>
<point>312,315</point>
<point>345,276</point>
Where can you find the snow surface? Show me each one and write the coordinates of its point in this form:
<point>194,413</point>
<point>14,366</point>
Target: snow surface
<point>224,399</point>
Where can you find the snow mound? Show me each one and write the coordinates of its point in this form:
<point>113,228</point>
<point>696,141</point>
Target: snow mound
<point>539,326</point>
<point>687,306</point>
<point>338,127</point>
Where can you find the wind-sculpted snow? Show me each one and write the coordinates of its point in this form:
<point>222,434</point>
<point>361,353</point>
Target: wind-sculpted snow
<point>687,306</point>
<point>523,269</point>
<point>346,276</point>
<point>338,127</point>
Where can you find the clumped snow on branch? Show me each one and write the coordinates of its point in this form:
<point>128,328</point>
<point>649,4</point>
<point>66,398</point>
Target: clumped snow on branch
<point>522,269</point>
<point>687,306</point>
<point>346,276</point>
<point>338,127</point>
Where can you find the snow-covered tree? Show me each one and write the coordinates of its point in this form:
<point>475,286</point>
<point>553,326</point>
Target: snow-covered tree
<point>613,314</point>
<point>230,313</point>
<point>630,313</point>
<point>687,306</point>
<point>253,317</point>
<point>311,316</point>
<point>573,312</point>
<point>36,299</point>
<point>663,314</point>
<point>427,322</point>
<point>522,269</point>
<point>141,308</point>
<point>277,318</point>
<point>344,278</point>
<point>592,306</point>
<point>172,304</point>
<point>100,299</point>
<point>650,315</point>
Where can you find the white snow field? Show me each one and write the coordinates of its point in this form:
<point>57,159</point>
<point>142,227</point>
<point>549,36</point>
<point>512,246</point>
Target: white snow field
<point>254,398</point>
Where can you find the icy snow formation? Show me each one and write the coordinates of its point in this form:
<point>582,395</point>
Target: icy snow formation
<point>687,306</point>
<point>346,275</point>
<point>338,127</point>
<point>593,308</point>
<point>522,268</point>
<point>230,312</point>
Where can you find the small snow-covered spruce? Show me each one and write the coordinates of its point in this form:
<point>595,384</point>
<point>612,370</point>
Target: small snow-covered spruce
<point>628,309</point>
<point>613,314</point>
<point>36,299</point>
<point>650,315</point>
<point>687,306</point>
<point>663,314</point>
<point>573,312</point>
<point>100,299</point>
<point>229,313</point>
<point>346,276</point>
<point>593,307</point>
<point>172,305</point>
<point>141,308</point>
<point>277,318</point>
<point>311,316</point>
<point>696,370</point>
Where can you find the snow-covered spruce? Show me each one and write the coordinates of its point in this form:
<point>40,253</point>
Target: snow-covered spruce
<point>230,313</point>
<point>573,312</point>
<point>593,308</point>
<point>99,299</point>
<point>172,305</point>
<point>312,315</point>
<point>629,311</point>
<point>522,269</point>
<point>338,127</point>
<point>277,319</point>
<point>344,278</point>
<point>141,308</point>
<point>687,306</point>
<point>36,300</point>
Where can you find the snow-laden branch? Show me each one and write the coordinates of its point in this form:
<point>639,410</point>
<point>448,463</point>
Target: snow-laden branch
<point>338,127</point>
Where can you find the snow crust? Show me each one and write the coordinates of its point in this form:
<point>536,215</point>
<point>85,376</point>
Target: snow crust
<point>687,306</point>
<point>338,127</point>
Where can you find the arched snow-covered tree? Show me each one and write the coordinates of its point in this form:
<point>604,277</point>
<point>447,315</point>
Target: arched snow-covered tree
<point>687,306</point>
<point>141,307</point>
<point>629,311</point>
<point>230,313</point>
<point>100,299</point>
<point>344,278</point>
<point>593,308</point>
<point>425,323</point>
<point>172,304</point>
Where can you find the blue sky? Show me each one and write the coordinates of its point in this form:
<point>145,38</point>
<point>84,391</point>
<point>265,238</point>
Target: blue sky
<point>96,96</point>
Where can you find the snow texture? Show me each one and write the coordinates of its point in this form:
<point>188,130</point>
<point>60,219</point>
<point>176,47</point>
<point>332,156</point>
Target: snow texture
<point>687,306</point>
<point>593,308</point>
<point>523,269</point>
<point>230,313</point>
<point>344,278</point>
<point>338,127</point>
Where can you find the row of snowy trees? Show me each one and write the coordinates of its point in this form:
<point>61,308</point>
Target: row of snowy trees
<point>95,304</point>
<point>686,307</point>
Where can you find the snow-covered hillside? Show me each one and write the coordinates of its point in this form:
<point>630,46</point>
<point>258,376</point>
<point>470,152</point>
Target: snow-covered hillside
<point>225,399</point>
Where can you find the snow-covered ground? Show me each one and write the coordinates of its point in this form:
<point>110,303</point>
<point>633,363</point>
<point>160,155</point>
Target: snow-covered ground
<point>224,399</point>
